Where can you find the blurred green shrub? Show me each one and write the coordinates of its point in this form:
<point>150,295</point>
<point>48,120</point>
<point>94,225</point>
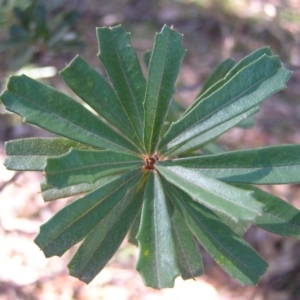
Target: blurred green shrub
<point>33,29</point>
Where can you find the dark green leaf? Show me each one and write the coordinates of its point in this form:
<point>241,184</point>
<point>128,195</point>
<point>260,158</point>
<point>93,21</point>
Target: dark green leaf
<point>247,123</point>
<point>134,230</point>
<point>218,73</point>
<point>50,193</point>
<point>59,32</point>
<point>123,68</point>
<point>23,16</point>
<point>212,148</point>
<point>101,244</point>
<point>204,138</point>
<point>86,166</point>
<point>239,227</point>
<point>214,194</point>
<point>174,112</point>
<point>146,57</point>
<point>228,249</point>
<point>50,109</point>
<point>31,153</point>
<point>164,65</point>
<point>18,34</point>
<point>278,216</point>
<point>267,165</point>
<point>40,19</point>
<point>90,86</point>
<point>188,255</point>
<point>245,90</point>
<point>71,224</point>
<point>157,259</point>
<point>232,72</point>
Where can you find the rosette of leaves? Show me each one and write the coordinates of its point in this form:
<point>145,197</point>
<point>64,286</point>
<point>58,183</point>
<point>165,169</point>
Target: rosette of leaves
<point>146,175</point>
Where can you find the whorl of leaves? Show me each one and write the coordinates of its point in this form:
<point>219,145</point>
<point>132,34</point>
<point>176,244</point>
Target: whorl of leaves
<point>143,172</point>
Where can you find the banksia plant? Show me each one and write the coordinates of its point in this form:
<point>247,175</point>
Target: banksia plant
<point>148,176</point>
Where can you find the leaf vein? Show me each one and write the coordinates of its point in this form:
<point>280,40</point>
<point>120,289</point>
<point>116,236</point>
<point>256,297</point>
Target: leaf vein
<point>218,109</point>
<point>90,209</point>
<point>89,133</point>
<point>213,237</point>
<point>159,90</point>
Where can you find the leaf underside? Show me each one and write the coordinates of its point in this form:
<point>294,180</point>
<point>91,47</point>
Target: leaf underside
<point>244,91</point>
<point>229,250</point>
<point>155,238</point>
<point>138,164</point>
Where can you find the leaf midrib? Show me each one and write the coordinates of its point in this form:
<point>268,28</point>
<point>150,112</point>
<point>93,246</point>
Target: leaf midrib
<point>180,245</point>
<point>159,91</point>
<point>90,209</point>
<point>104,237</point>
<point>104,103</point>
<point>221,197</point>
<point>281,219</point>
<point>218,109</point>
<point>211,235</point>
<point>93,166</point>
<point>90,133</point>
<point>131,92</point>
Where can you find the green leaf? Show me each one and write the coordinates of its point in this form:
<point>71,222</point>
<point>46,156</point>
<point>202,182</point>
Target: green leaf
<point>229,250</point>
<point>40,19</point>
<point>212,148</point>
<point>247,123</point>
<point>91,87</point>
<point>86,166</point>
<point>244,91</point>
<point>214,194</point>
<point>188,255</point>
<point>124,70</point>
<point>266,165</point>
<point>30,154</point>
<point>218,73</point>
<point>239,227</point>
<point>71,224</point>
<point>232,72</point>
<point>146,57</point>
<point>101,244</point>
<point>164,65</point>
<point>157,259</point>
<point>174,112</point>
<point>278,216</point>
<point>18,34</point>
<point>204,138</point>
<point>50,193</point>
<point>26,14</point>
<point>134,230</point>
<point>63,27</point>
<point>50,109</point>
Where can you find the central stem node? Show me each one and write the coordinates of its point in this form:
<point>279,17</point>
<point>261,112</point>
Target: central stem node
<point>150,161</point>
